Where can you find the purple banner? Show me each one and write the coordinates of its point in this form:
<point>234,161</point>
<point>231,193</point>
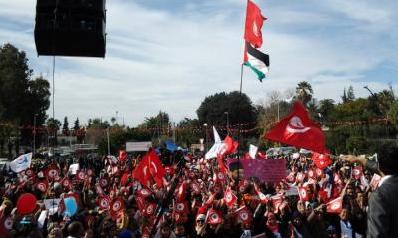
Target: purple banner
<point>267,170</point>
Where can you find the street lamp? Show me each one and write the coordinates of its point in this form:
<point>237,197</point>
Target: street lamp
<point>205,125</point>
<point>34,134</point>
<point>226,113</point>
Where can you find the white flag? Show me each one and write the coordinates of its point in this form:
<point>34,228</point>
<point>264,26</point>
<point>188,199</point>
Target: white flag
<point>21,163</point>
<point>253,151</point>
<point>52,205</point>
<point>73,168</point>
<point>217,148</point>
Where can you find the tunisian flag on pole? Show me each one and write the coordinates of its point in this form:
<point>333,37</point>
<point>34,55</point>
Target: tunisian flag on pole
<point>149,167</point>
<point>253,25</point>
<point>298,130</point>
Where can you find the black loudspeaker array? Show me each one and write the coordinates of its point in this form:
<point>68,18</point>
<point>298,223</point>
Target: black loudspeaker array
<point>70,28</point>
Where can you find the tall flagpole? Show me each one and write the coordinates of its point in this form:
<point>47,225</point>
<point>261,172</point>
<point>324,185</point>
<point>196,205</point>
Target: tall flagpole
<point>241,80</point>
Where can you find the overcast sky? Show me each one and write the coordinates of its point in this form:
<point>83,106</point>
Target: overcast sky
<point>170,54</point>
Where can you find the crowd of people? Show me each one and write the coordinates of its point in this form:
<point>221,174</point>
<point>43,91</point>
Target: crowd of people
<point>195,197</point>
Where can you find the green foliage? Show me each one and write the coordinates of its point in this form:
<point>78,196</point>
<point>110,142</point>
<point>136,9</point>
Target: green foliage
<point>357,145</point>
<point>76,125</point>
<point>188,132</point>
<point>118,138</point>
<point>304,92</point>
<point>65,127</point>
<point>239,108</point>
<point>21,97</point>
<point>393,114</point>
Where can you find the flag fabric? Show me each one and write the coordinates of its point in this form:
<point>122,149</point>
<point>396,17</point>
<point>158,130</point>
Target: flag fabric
<point>229,197</point>
<point>357,172</point>
<point>122,155</point>
<point>214,217</point>
<point>216,148</point>
<point>335,206</point>
<point>221,164</point>
<point>321,161</point>
<point>149,168</point>
<point>263,198</point>
<point>21,163</point>
<point>170,146</point>
<point>253,151</point>
<point>230,146</point>
<point>302,191</point>
<point>253,24</point>
<point>244,215</point>
<point>256,61</point>
<point>299,130</point>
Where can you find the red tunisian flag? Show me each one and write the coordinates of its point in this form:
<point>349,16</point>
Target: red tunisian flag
<point>335,206</point>
<point>122,155</point>
<point>253,25</point>
<point>298,130</point>
<point>149,167</point>
<point>229,197</point>
<point>321,160</point>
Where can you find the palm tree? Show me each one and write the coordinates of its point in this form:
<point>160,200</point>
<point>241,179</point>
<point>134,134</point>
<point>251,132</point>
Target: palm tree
<point>304,92</point>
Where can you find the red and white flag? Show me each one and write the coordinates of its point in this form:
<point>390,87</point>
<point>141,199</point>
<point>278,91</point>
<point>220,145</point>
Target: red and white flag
<point>299,130</point>
<point>335,206</point>
<point>150,168</point>
<point>244,215</point>
<point>302,191</point>
<point>253,25</point>
<point>321,160</point>
<point>214,217</point>
<point>104,202</point>
<point>263,198</point>
<point>357,172</point>
<point>229,197</point>
<point>182,207</point>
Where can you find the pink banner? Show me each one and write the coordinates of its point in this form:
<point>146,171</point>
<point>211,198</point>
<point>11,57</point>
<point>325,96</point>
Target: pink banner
<point>269,170</point>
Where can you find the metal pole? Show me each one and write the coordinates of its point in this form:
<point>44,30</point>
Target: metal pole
<point>109,144</point>
<point>34,135</point>
<point>278,109</point>
<point>241,79</point>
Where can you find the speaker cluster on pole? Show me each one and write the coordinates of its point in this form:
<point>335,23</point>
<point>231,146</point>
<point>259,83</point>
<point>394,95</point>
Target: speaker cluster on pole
<point>70,28</point>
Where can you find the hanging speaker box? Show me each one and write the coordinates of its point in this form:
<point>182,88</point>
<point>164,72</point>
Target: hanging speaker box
<point>70,28</point>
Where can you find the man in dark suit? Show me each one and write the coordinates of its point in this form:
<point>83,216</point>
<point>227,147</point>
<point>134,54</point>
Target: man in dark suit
<point>383,203</point>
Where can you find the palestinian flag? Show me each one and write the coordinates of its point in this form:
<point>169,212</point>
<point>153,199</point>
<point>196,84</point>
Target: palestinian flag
<point>256,60</point>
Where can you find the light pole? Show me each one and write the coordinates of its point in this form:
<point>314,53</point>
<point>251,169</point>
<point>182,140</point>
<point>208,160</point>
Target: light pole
<point>205,125</point>
<point>109,144</point>
<point>226,113</point>
<point>34,134</point>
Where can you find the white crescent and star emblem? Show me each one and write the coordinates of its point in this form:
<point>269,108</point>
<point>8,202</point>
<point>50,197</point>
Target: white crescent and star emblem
<point>180,206</point>
<point>244,216</point>
<point>228,197</point>
<point>296,126</point>
<point>8,223</point>
<point>214,217</point>
<point>42,187</point>
<point>116,206</point>
<point>104,203</point>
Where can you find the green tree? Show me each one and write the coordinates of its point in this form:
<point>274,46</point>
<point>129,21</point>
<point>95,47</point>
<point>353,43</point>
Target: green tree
<point>189,131</point>
<point>158,125</point>
<point>304,92</point>
<point>65,127</point>
<point>22,100</point>
<point>392,114</point>
<point>76,125</point>
<point>350,94</point>
<point>326,108</point>
<point>239,107</point>
<point>53,126</point>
